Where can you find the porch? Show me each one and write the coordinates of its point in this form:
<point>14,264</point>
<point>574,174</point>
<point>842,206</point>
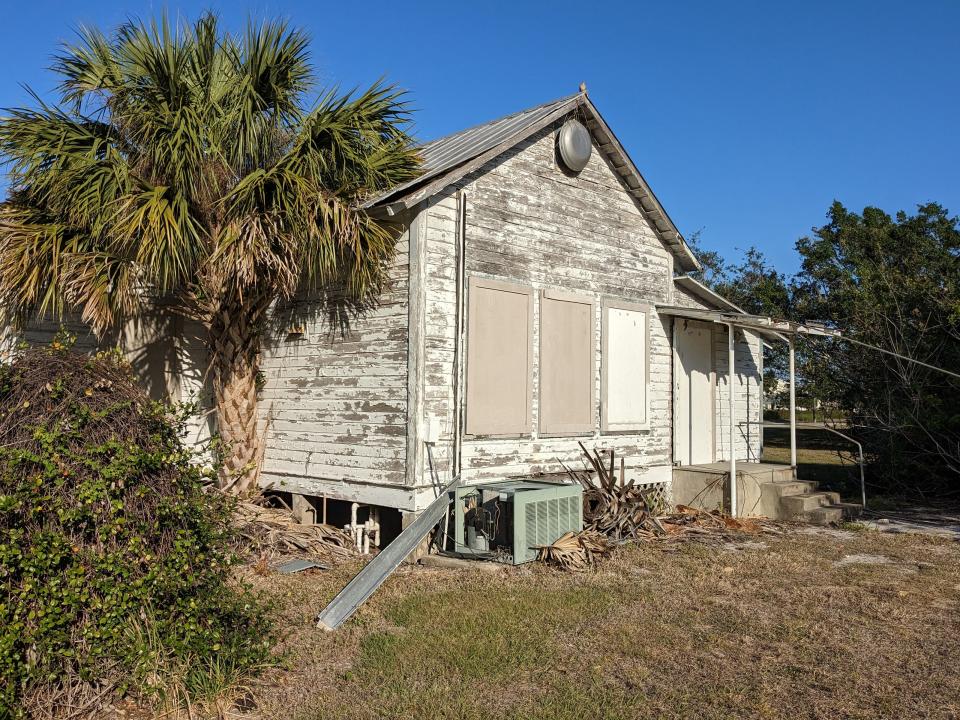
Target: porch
<point>762,489</point>
<point>766,489</point>
<point>706,486</point>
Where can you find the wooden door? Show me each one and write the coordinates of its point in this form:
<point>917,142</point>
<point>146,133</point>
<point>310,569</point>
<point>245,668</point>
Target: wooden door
<point>694,395</point>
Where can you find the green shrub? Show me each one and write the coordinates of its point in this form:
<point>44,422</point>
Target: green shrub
<point>114,561</point>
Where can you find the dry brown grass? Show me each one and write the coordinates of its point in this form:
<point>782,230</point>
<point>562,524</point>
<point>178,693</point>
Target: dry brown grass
<point>761,631</point>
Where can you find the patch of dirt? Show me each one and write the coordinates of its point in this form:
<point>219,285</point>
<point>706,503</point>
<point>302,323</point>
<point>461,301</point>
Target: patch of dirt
<point>862,559</point>
<point>826,532</point>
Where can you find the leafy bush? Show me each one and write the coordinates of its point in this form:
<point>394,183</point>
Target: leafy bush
<point>114,561</point>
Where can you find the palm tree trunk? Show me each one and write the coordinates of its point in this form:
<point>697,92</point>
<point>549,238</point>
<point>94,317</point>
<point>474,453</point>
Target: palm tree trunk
<point>235,345</point>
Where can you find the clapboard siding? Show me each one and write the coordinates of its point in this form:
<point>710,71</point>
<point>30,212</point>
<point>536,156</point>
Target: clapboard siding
<point>529,222</point>
<point>43,333</point>
<point>334,406</point>
<point>747,391</point>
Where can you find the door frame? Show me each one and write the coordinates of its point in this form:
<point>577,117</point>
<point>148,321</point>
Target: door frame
<point>677,372</point>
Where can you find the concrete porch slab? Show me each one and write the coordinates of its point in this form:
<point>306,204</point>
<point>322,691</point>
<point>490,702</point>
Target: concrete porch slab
<point>759,486</point>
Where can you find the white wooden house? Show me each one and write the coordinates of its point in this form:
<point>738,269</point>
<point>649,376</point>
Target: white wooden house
<point>525,318</point>
<point>532,307</point>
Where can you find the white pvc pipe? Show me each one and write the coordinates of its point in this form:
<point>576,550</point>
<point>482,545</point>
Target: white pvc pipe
<point>731,376</point>
<point>375,515</point>
<point>363,533</point>
<point>793,409</point>
<point>355,529</point>
<point>460,236</point>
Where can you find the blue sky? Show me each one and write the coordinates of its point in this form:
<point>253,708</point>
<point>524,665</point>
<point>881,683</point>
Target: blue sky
<point>747,118</point>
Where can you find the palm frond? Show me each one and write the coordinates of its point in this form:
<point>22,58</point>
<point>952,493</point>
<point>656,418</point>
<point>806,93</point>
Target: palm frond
<point>357,146</point>
<point>47,268</point>
<point>88,67</point>
<point>157,229</point>
<point>104,288</point>
<point>271,72</point>
<point>184,161</point>
<point>37,144</point>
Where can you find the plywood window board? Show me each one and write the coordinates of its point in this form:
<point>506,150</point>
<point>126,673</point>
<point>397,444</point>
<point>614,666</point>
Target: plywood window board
<point>567,364</point>
<point>625,366</point>
<point>499,372</point>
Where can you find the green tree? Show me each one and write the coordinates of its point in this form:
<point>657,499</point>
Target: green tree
<point>185,165</point>
<point>891,282</point>
<point>756,286</point>
<point>714,267</point>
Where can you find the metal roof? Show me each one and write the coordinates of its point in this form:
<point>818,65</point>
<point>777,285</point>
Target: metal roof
<point>450,158</point>
<point>452,150</point>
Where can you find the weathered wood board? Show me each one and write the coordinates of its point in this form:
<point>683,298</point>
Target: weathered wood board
<point>529,222</point>
<point>335,406</point>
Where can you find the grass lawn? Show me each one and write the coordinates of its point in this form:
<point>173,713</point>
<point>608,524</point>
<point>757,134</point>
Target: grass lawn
<point>774,628</point>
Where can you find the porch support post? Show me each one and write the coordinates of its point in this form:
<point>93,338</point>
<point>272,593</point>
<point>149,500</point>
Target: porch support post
<point>731,376</point>
<point>793,409</point>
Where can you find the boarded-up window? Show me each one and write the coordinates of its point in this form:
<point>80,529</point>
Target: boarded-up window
<point>626,366</point>
<point>566,364</point>
<point>499,358</point>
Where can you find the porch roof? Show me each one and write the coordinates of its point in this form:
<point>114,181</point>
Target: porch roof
<point>761,324</point>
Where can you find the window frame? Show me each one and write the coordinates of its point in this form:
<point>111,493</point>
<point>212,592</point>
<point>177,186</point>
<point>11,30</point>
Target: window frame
<point>591,427</point>
<point>474,282</point>
<point>612,303</point>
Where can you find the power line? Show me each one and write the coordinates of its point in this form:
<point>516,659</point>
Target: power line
<point>897,355</point>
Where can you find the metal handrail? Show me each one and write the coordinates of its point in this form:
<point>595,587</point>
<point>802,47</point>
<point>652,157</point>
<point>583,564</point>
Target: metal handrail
<point>818,426</point>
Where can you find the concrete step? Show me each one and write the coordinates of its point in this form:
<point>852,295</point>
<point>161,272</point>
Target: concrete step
<point>794,506</point>
<point>829,515</point>
<point>781,474</point>
<point>823,508</point>
<point>792,487</point>
<point>800,500</point>
<point>851,511</point>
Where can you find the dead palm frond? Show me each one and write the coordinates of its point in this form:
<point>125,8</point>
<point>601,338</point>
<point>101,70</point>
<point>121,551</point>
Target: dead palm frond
<point>575,552</point>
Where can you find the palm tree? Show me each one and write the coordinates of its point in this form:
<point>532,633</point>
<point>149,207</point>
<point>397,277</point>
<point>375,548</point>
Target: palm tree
<point>183,165</point>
